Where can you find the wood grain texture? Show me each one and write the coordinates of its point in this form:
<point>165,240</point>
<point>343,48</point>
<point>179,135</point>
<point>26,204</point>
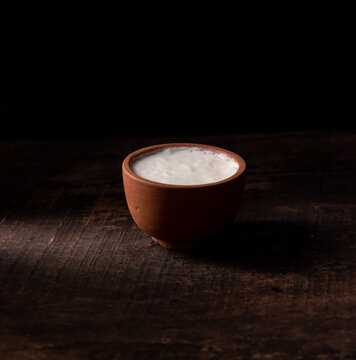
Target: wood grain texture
<point>80,281</point>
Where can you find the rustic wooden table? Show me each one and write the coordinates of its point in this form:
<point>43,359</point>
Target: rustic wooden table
<point>80,281</point>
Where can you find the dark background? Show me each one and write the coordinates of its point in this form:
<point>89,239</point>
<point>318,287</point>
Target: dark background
<point>104,112</point>
<point>144,86</point>
<point>7,99</point>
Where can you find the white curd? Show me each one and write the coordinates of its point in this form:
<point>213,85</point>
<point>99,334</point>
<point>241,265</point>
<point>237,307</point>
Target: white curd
<point>184,166</point>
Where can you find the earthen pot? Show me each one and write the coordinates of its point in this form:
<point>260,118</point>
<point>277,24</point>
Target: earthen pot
<point>182,216</point>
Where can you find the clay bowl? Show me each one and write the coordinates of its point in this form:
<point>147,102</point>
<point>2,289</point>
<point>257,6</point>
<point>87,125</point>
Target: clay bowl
<point>182,216</point>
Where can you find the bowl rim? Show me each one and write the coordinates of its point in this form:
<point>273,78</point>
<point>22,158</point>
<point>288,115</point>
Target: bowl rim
<point>130,157</point>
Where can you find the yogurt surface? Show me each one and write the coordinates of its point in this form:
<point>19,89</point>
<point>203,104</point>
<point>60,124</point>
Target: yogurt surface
<point>184,166</point>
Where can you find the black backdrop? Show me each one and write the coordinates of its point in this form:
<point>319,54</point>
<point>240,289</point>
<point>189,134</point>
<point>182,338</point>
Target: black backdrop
<point>8,99</point>
<point>277,88</point>
<point>104,111</point>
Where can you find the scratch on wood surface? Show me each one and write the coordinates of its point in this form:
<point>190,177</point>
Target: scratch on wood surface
<point>90,216</point>
<point>3,220</point>
<point>107,214</point>
<point>255,185</point>
<point>51,239</point>
<point>287,209</point>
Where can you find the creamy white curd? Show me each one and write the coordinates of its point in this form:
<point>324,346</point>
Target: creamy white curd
<point>184,165</point>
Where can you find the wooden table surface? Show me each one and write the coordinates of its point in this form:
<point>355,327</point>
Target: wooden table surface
<point>79,280</point>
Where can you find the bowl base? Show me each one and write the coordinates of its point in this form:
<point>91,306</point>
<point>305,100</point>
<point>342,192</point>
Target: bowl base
<point>179,246</point>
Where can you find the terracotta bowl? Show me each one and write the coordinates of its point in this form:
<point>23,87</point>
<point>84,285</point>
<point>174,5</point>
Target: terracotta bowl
<point>182,216</point>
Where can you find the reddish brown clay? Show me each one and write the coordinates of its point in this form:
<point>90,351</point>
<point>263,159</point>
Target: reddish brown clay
<point>182,216</point>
